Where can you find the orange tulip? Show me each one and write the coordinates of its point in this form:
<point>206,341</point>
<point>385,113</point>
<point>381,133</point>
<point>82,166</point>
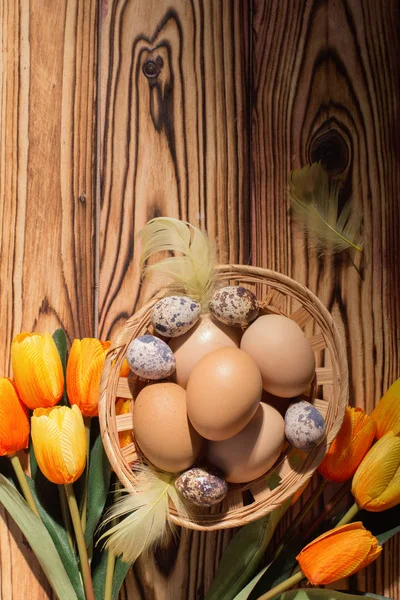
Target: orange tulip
<point>59,441</point>
<point>14,422</point>
<point>84,368</point>
<point>37,369</point>
<point>125,369</point>
<point>338,553</point>
<point>349,447</point>
<point>386,413</point>
<point>123,407</point>
<point>376,483</point>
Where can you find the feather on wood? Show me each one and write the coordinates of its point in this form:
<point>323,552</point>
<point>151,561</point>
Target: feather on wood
<point>315,205</point>
<point>191,269</point>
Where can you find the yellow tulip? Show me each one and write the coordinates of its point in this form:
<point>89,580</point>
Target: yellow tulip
<point>376,483</point>
<point>349,447</point>
<point>338,553</point>
<point>84,368</point>
<point>37,369</point>
<point>58,436</point>
<point>386,413</point>
<point>14,422</point>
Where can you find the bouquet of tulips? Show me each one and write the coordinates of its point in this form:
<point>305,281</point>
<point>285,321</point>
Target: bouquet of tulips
<point>61,429</point>
<point>65,447</point>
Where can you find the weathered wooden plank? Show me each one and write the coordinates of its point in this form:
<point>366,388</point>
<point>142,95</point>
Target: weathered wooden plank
<point>326,87</point>
<point>47,209</point>
<point>174,141</point>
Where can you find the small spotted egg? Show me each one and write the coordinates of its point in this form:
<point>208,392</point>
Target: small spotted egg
<point>203,486</point>
<point>234,305</point>
<point>150,358</point>
<point>304,425</point>
<point>175,315</point>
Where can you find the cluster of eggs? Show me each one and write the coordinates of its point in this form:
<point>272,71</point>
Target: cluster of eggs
<point>208,413</point>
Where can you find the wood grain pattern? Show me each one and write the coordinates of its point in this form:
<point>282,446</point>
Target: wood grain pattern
<point>326,88</point>
<point>175,141</point>
<point>47,208</point>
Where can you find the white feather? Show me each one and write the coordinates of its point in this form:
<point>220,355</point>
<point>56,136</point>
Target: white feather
<point>144,515</point>
<point>191,269</point>
<point>315,204</point>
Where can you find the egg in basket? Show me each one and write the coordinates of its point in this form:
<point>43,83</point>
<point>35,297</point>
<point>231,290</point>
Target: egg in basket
<point>237,385</point>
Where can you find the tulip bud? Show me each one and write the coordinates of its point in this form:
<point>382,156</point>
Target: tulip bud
<point>349,447</point>
<point>84,368</point>
<point>37,369</point>
<point>386,413</point>
<point>376,483</point>
<point>14,422</point>
<point>338,553</point>
<point>59,442</point>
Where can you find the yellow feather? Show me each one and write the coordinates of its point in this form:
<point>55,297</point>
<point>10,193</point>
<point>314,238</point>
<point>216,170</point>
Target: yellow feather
<point>145,513</point>
<point>315,204</point>
<point>190,270</point>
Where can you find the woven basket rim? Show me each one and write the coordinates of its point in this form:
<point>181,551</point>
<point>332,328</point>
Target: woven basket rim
<point>264,502</point>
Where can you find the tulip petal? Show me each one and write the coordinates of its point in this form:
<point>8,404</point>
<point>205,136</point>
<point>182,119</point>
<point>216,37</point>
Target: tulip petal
<point>338,553</point>
<point>84,368</point>
<point>376,484</point>
<point>58,436</point>
<point>37,369</point>
<point>14,422</point>
<point>349,447</point>
<point>386,414</point>
<point>73,442</point>
<point>46,442</point>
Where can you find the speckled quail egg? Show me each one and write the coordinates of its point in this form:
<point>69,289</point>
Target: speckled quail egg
<point>304,425</point>
<point>234,305</point>
<point>150,358</point>
<point>175,315</point>
<point>203,486</point>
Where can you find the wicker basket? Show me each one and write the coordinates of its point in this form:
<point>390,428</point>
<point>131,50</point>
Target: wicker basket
<point>328,392</point>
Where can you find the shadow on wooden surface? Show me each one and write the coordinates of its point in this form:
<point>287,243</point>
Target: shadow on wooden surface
<point>203,109</point>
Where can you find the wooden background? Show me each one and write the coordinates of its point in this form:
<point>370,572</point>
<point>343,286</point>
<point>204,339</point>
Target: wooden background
<point>117,112</point>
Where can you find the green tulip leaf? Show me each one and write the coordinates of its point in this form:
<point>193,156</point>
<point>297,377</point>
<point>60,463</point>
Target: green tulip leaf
<point>39,539</point>
<point>99,571</point>
<point>324,594</point>
<point>98,483</point>
<point>48,506</point>
<point>243,555</point>
<point>60,340</point>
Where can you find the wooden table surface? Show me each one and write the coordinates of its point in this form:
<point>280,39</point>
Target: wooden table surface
<point>116,112</point>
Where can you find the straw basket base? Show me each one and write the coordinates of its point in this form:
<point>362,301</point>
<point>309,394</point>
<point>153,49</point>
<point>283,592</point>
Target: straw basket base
<point>278,294</point>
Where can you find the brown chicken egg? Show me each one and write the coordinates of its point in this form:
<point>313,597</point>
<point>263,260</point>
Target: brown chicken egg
<point>253,451</point>
<point>162,429</point>
<point>223,392</point>
<point>282,353</point>
<point>207,335</point>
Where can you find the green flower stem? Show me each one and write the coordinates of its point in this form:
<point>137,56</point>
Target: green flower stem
<point>80,540</point>
<point>282,587</point>
<point>87,421</point>
<point>349,516</point>
<point>19,472</point>
<point>301,515</point>
<point>111,558</point>
<point>66,517</point>
<point>109,575</point>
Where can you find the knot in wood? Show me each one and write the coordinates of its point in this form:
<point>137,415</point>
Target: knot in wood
<point>330,148</point>
<point>152,68</point>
